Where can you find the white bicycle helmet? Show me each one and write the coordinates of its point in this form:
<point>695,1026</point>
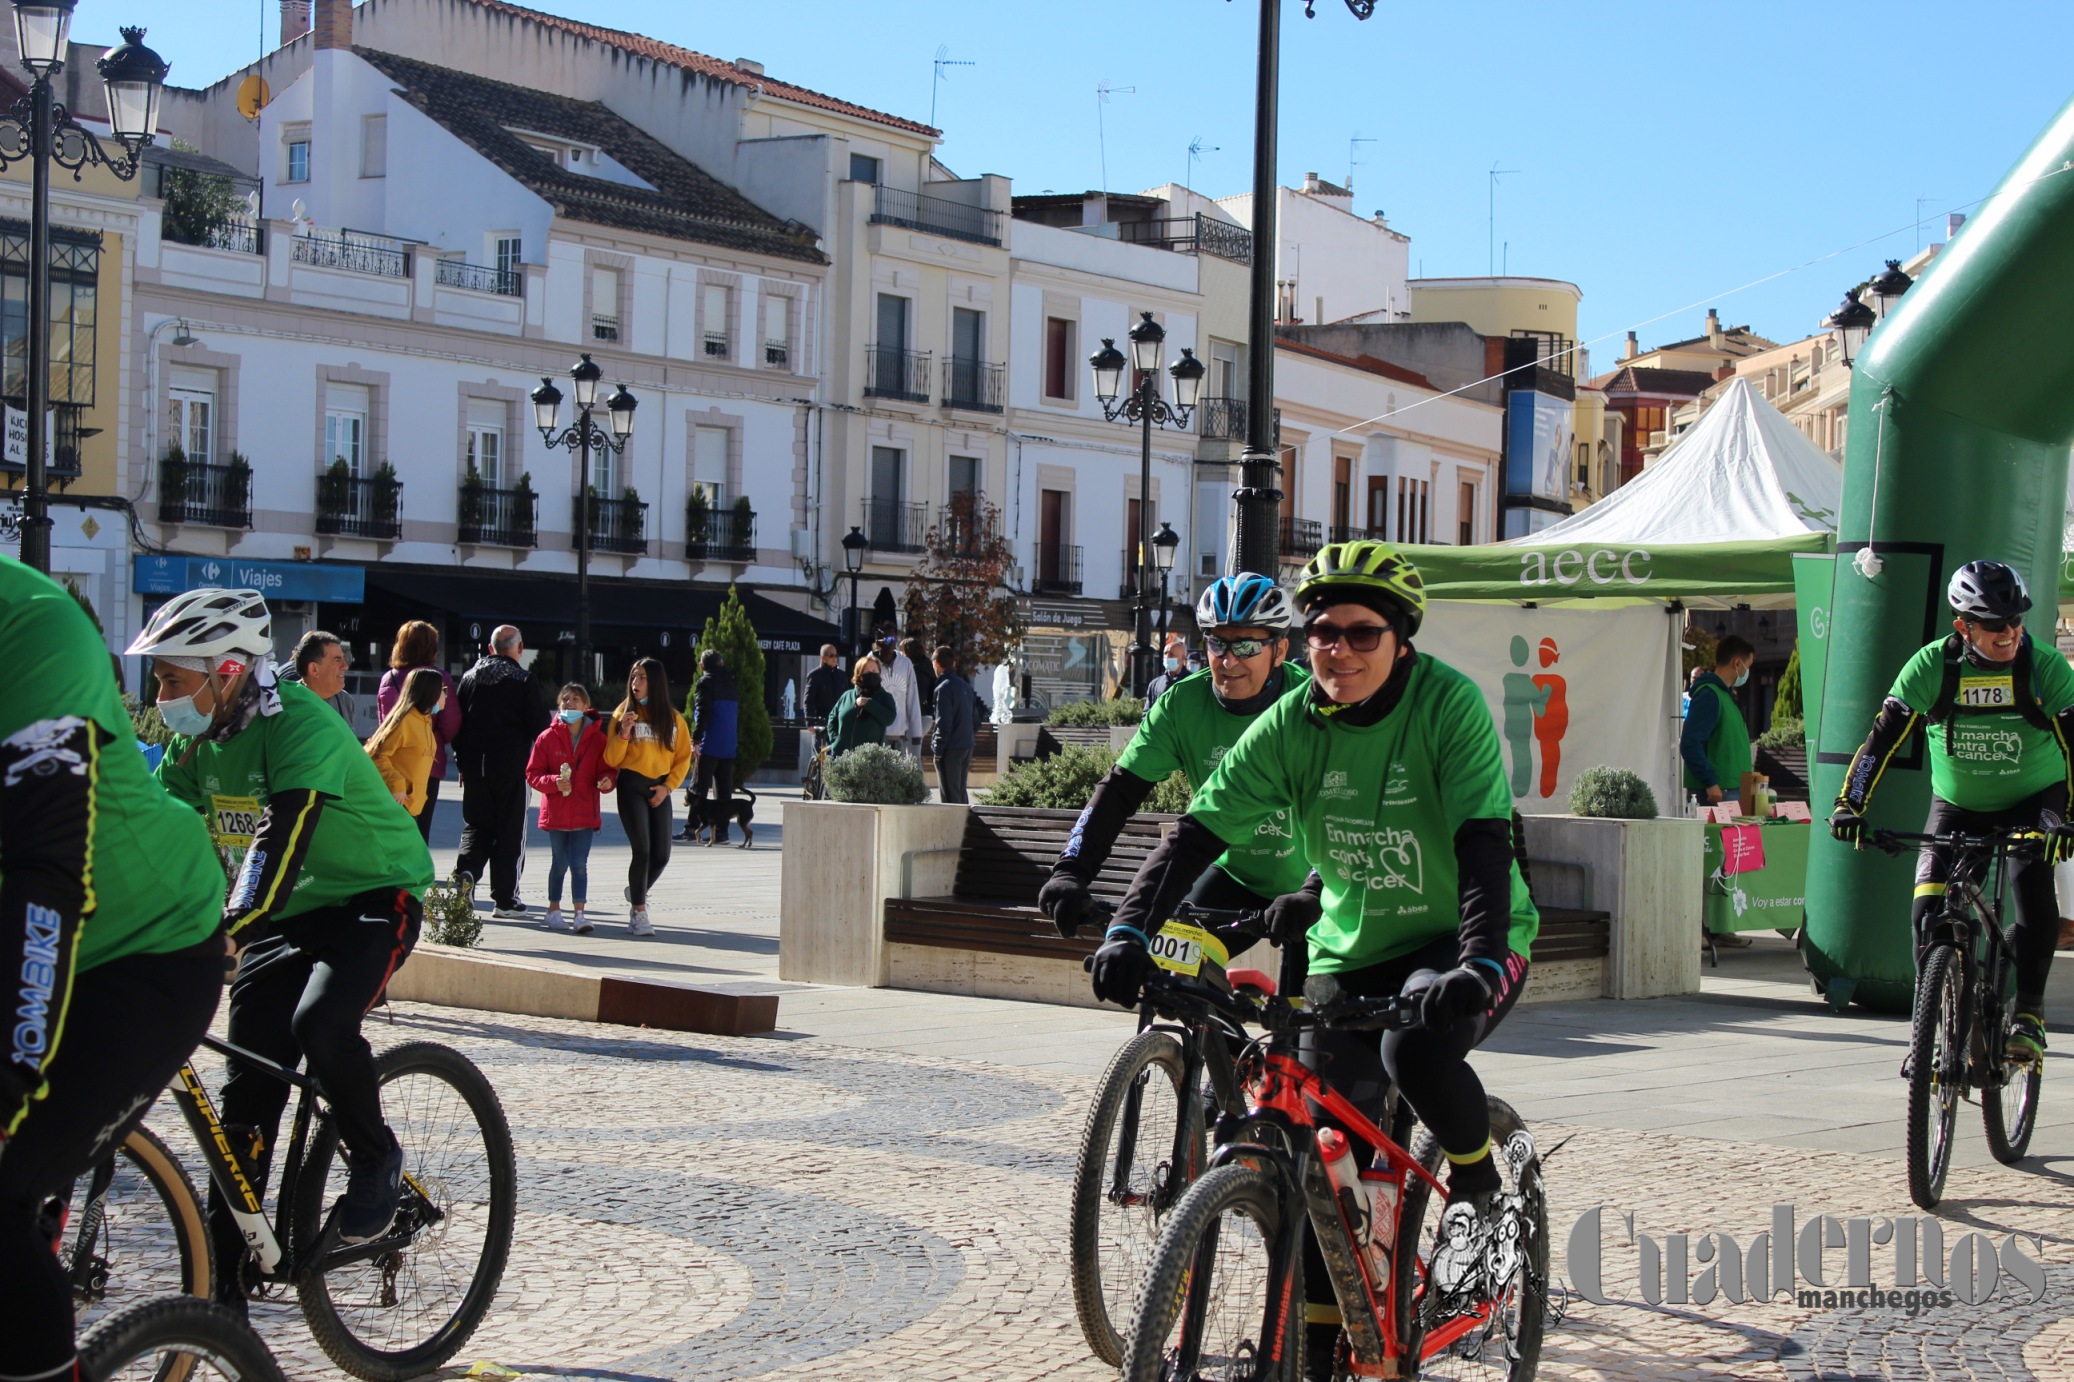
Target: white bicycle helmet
<point>1244,600</point>
<point>210,630</point>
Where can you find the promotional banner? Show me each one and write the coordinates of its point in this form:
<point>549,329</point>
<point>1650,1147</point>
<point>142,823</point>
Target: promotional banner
<point>1811,577</point>
<point>1569,689</point>
<point>1537,445</point>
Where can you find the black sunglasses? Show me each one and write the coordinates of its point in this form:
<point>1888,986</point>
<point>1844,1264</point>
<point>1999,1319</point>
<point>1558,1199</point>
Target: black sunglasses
<point>1997,625</point>
<point>1362,638</point>
<point>1234,647</point>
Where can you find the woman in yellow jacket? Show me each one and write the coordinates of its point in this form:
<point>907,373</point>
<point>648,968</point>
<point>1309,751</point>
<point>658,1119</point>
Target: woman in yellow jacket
<point>404,745</point>
<point>650,745</point>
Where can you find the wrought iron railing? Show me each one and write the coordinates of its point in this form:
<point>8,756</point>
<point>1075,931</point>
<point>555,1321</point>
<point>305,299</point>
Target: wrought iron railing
<point>616,525</point>
<point>955,220</point>
<point>604,328</point>
<point>1057,570</point>
<point>902,374</point>
<point>479,278</point>
<point>349,506</point>
<point>1301,538</point>
<point>1191,235</point>
<point>716,343</point>
<point>1224,419</point>
<point>894,526</point>
<point>719,534</point>
<point>500,517</point>
<point>961,529</point>
<point>238,237</point>
<point>777,354</point>
<point>354,256</point>
<point>1348,532</point>
<point>219,496</point>
<point>974,385</point>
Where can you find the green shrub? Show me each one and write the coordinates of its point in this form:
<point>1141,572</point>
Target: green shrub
<point>145,721</point>
<point>1169,798</point>
<point>875,775</point>
<point>1065,781</point>
<point>1613,793</point>
<point>450,917</point>
<point>1785,733</point>
<point>1786,705</point>
<point>1123,710</point>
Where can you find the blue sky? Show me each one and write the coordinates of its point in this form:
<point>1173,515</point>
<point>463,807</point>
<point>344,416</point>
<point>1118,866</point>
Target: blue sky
<point>1667,153</point>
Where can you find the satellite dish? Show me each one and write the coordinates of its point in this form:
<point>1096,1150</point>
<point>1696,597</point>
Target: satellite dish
<point>253,94</point>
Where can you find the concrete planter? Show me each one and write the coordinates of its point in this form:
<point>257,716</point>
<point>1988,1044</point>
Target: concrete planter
<point>841,862</point>
<point>1120,736</point>
<point>1013,741</point>
<point>1645,873</point>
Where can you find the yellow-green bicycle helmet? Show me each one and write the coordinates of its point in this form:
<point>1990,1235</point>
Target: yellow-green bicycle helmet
<point>1371,568</point>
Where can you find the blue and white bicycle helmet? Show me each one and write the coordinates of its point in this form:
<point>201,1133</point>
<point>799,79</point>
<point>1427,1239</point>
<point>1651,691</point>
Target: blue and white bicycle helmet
<point>1245,600</point>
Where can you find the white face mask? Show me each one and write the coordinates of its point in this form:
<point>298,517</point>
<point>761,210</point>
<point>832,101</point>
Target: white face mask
<point>182,717</point>
<point>1742,677</point>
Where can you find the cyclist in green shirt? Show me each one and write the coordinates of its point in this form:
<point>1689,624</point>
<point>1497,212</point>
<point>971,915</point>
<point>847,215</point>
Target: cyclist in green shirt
<point>109,942</point>
<point>2001,711</point>
<point>1245,622</point>
<point>325,900</point>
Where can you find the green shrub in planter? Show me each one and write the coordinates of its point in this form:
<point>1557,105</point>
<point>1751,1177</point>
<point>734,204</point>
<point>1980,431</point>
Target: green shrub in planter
<point>1122,710</point>
<point>450,917</point>
<point>1784,734</point>
<point>1613,793</point>
<point>1066,780</point>
<point>875,775</point>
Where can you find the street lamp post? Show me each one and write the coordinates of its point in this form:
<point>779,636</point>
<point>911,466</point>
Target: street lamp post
<point>584,436</point>
<point>1164,544</point>
<point>1144,406</point>
<point>1852,322</point>
<point>40,130</point>
<point>855,545</point>
<point>1887,288</point>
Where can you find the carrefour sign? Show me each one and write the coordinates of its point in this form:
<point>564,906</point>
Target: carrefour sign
<point>1603,567</point>
<point>276,580</point>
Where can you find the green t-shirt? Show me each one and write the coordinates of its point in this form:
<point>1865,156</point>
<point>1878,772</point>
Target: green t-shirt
<point>1996,757</point>
<point>152,886</point>
<point>1188,728</point>
<point>1377,808</point>
<point>364,839</point>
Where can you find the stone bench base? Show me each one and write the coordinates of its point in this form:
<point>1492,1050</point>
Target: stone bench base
<point>456,978</point>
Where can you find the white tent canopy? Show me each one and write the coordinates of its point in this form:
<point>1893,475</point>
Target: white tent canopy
<point>1742,474</point>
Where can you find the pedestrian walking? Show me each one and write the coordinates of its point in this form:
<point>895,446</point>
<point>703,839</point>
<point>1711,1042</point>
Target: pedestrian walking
<point>825,686</point>
<point>503,709</point>
<point>863,713</point>
<point>403,745</point>
<point>650,745</point>
<point>956,724</point>
<point>417,645</point>
<point>567,768</point>
<point>320,663</point>
<point>716,711</point>
<point>902,683</point>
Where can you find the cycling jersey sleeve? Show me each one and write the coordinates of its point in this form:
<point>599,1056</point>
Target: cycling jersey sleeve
<point>47,774</point>
<point>1890,730</point>
<point>1117,797</point>
<point>1483,863</point>
<point>1167,874</point>
<point>273,861</point>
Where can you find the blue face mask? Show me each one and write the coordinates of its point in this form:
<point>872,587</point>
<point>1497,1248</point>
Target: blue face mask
<point>181,716</point>
<point>1742,677</point>
<point>570,717</point>
<point>640,700</point>
<point>1173,664</point>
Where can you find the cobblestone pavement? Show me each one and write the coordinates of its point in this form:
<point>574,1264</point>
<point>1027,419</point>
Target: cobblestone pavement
<point>715,1208</point>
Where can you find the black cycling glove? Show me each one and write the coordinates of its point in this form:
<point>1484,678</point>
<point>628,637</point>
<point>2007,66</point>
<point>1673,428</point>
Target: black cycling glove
<point>1064,898</point>
<point>1121,966</point>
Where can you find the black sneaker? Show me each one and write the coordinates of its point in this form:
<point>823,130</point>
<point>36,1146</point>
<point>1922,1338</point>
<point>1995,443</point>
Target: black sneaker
<point>374,1186</point>
<point>2026,1039</point>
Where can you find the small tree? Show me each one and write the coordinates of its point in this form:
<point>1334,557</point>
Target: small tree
<point>731,633</point>
<point>198,205</point>
<point>1787,705</point>
<point>958,595</point>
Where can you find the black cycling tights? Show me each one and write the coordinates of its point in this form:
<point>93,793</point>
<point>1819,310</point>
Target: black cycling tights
<point>130,1024</point>
<point>2036,930</point>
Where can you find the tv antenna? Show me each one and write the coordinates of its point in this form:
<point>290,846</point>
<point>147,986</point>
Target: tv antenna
<point>1196,150</point>
<point>1491,233</point>
<point>943,60</point>
<point>1103,91</point>
<point>1352,162</point>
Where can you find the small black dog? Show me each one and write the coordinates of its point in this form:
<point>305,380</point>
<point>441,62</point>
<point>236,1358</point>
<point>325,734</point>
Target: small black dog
<point>740,808</point>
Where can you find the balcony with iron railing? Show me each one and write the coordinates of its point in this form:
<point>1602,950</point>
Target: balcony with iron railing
<point>235,237</point>
<point>616,525</point>
<point>216,496</point>
<point>716,345</point>
<point>777,354</point>
<point>953,220</point>
<point>1224,419</point>
<point>1196,234</point>
<point>357,506</point>
<point>604,327</point>
<point>895,526</point>
<point>1301,538</point>
<point>719,534</point>
<point>499,517</point>
<point>1347,532</point>
<point>901,374</point>
<point>1057,570</point>
<point>973,385</point>
<point>353,256</point>
<point>962,529</point>
<point>477,278</point>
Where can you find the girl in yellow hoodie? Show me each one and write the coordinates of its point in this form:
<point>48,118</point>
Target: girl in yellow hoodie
<point>403,746</point>
<point>650,745</point>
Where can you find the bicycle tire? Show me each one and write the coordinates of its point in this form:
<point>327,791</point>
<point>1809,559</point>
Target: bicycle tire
<point>200,1336</point>
<point>1936,1077</point>
<point>1107,1268</point>
<point>1183,1276</point>
<point>471,1175</point>
<point>2009,1112</point>
<point>152,1238</point>
<point>1417,1308</point>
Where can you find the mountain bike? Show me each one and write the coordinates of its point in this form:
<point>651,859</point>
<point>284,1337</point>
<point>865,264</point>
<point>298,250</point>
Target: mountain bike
<point>131,1230</point>
<point>1421,1292</point>
<point>1965,1000</point>
<point>177,1336</point>
<point>391,1308</point>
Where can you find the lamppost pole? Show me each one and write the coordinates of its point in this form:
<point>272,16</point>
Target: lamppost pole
<point>855,545</point>
<point>583,436</point>
<point>583,551</point>
<point>36,498</point>
<point>1148,401</point>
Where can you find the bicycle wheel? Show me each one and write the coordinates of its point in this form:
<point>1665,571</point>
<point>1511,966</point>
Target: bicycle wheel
<point>2010,1110</point>
<point>1127,1178</point>
<point>1474,1297</point>
<point>201,1339</point>
<point>407,1310</point>
<point>1205,1309</point>
<point>145,1237</point>
<point>1937,1072</point>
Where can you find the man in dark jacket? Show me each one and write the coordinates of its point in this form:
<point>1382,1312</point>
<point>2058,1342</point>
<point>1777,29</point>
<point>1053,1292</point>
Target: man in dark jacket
<point>825,686</point>
<point>951,742</point>
<point>503,710</point>
<point>716,712</point>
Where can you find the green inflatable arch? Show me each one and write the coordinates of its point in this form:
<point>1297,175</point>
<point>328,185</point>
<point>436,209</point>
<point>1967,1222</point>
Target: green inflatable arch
<point>1962,411</point>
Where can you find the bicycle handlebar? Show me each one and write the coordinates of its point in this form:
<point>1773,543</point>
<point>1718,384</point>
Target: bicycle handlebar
<point>1235,928</point>
<point>2024,842</point>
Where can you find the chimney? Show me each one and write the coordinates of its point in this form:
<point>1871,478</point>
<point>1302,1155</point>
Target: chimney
<point>1713,327</point>
<point>295,20</point>
<point>750,65</point>
<point>1631,349</point>
<point>1310,182</point>
<point>334,24</point>
<point>1952,221</point>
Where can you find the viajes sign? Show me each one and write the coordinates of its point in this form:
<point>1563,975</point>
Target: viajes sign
<point>1587,571</point>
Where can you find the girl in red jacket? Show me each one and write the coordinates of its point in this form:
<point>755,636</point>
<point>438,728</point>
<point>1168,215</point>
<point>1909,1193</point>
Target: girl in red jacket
<point>568,769</point>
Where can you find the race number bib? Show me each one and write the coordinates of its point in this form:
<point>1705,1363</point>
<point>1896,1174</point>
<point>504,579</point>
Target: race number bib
<point>1180,949</point>
<point>1987,693</point>
<point>233,821</point>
